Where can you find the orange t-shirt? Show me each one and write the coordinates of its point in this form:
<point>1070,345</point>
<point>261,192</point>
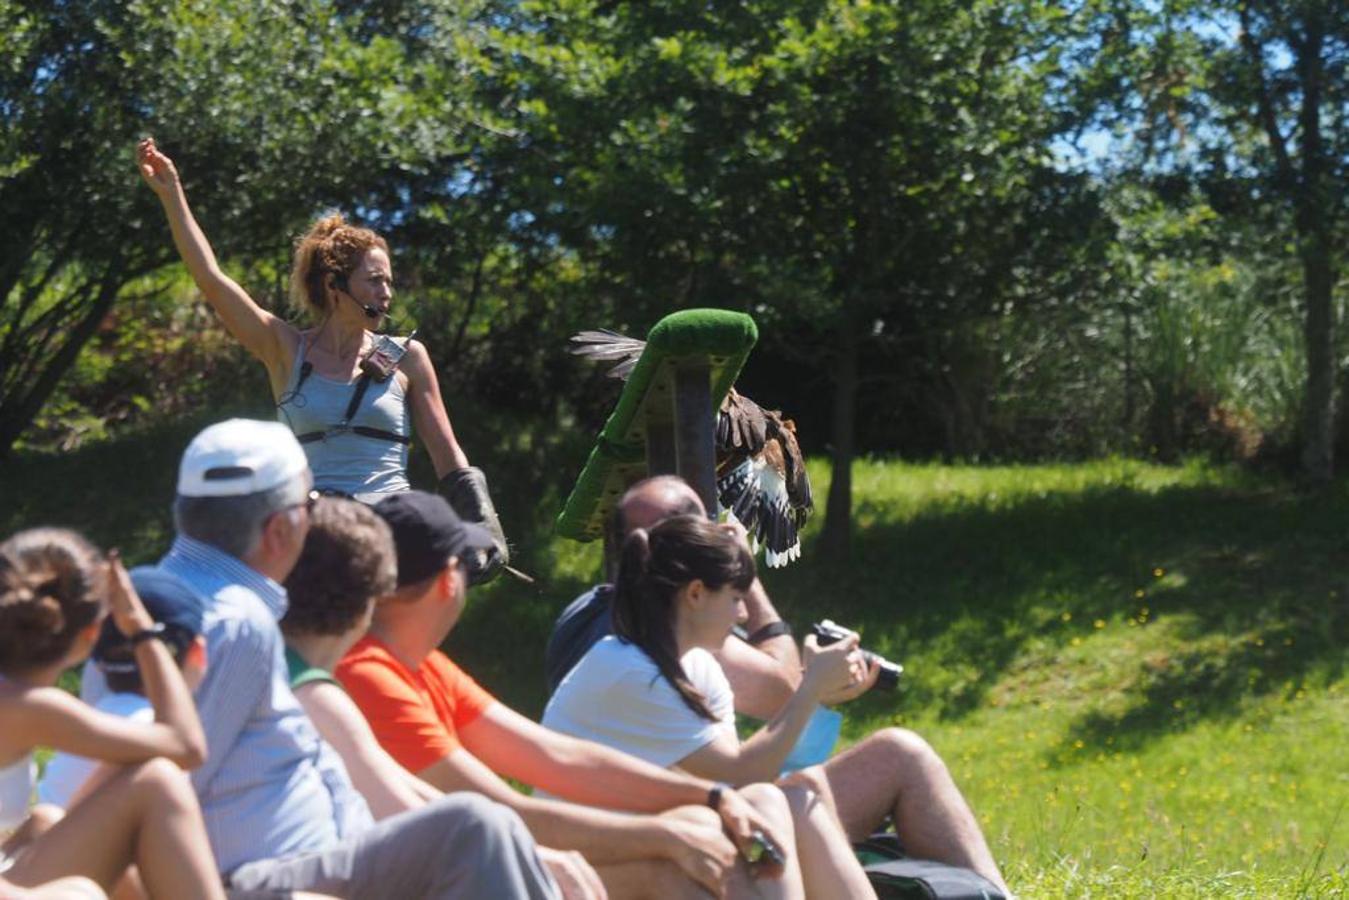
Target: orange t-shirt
<point>414,714</point>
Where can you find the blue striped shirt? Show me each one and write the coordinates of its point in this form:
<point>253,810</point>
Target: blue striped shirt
<point>269,787</point>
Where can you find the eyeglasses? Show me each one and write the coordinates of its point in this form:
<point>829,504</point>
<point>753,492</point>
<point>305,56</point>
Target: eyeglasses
<point>309,502</point>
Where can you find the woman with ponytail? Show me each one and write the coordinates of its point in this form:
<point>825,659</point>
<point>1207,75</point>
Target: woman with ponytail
<point>55,592</point>
<point>351,396</point>
<point>653,688</point>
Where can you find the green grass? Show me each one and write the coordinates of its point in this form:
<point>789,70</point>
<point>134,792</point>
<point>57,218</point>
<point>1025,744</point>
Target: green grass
<point>1136,673</point>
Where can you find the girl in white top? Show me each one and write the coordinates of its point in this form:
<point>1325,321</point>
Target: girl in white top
<point>654,690</point>
<point>54,593</point>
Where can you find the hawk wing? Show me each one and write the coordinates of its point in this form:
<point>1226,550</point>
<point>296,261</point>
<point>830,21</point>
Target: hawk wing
<point>604,345</point>
<point>762,476</point>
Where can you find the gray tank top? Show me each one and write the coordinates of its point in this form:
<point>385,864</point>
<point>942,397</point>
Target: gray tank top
<point>344,460</point>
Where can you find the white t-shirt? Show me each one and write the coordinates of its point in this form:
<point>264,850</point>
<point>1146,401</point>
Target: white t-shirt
<point>616,696</point>
<point>66,772</point>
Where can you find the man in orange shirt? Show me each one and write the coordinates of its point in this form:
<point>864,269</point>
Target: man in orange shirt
<point>440,724</point>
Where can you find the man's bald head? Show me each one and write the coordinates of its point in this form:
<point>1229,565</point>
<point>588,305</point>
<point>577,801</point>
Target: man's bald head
<point>647,502</point>
<point>656,499</point>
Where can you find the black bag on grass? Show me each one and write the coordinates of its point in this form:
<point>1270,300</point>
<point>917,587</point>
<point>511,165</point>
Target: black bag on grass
<point>897,877</point>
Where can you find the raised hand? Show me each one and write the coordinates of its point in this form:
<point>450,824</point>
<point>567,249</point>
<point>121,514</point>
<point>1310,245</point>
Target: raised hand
<point>156,168</point>
<point>125,607</point>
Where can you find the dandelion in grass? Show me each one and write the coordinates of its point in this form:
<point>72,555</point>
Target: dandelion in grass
<point>1098,624</point>
<point>1158,572</point>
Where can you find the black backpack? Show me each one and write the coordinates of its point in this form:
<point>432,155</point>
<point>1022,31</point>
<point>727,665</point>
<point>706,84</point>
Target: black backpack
<point>898,877</point>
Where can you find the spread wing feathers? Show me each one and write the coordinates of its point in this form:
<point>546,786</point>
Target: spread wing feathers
<point>745,429</point>
<point>603,345</point>
<point>755,495</point>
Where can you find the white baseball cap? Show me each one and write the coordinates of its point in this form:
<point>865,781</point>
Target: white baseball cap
<point>238,457</point>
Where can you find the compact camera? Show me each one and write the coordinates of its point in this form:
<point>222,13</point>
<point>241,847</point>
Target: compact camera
<point>826,633</point>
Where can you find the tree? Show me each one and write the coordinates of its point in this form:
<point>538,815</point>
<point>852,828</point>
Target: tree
<point>1248,93</point>
<point>867,178</point>
<point>272,109</point>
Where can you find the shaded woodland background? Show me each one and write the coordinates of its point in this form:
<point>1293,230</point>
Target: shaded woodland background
<point>988,231</point>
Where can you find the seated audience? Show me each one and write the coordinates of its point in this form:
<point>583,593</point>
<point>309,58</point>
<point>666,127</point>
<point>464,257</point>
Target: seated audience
<point>279,807</point>
<point>435,720</point>
<point>347,562</point>
<point>893,772</point>
<point>55,591</point>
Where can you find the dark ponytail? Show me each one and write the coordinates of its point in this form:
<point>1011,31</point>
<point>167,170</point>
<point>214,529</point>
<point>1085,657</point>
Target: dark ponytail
<point>50,588</point>
<point>653,567</point>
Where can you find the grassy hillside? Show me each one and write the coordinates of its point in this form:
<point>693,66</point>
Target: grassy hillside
<point>1136,673</point>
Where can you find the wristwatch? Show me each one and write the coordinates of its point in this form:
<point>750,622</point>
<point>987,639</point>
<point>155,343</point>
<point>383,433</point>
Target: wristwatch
<point>714,794</point>
<point>154,632</point>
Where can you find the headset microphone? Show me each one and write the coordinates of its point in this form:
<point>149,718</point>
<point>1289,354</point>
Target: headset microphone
<point>370,312</point>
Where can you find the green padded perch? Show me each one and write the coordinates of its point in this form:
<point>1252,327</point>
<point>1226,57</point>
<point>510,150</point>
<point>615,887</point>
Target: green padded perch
<point>669,401</point>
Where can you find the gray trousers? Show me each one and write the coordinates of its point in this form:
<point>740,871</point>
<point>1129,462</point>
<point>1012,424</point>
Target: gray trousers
<point>462,845</point>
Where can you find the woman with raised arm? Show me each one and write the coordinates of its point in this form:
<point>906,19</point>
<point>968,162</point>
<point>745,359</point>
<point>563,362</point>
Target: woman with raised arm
<point>54,593</point>
<point>344,390</point>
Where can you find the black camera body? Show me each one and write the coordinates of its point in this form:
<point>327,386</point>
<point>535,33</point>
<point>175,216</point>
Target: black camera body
<point>826,633</point>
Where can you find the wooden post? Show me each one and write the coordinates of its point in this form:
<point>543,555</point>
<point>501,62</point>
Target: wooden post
<point>660,446</point>
<point>695,431</point>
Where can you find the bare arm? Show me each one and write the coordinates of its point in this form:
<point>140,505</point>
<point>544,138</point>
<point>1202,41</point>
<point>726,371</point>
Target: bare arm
<point>52,718</point>
<point>265,336</point>
<point>828,671</point>
<point>385,785</point>
<point>428,412</point>
<point>600,835</point>
<point>578,770</point>
<point>780,648</point>
<point>762,685</point>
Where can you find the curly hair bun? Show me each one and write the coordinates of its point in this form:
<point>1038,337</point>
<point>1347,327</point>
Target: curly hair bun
<point>49,590</point>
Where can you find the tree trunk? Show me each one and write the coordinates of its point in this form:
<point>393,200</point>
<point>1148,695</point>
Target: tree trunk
<point>1318,449</point>
<point>836,538</point>
<point>18,410</point>
<point>1312,218</point>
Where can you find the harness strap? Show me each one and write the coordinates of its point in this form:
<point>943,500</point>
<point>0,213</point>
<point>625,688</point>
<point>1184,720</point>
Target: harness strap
<point>310,437</point>
<point>357,395</point>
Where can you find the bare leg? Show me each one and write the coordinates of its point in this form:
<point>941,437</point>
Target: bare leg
<point>828,865</point>
<point>649,879</point>
<point>769,801</point>
<point>72,888</point>
<point>145,815</point>
<point>895,772</point>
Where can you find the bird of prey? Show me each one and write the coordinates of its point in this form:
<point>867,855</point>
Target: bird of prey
<point>761,474</point>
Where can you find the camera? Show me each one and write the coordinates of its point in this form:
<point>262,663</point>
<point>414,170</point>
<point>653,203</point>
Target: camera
<point>826,633</point>
<point>761,851</point>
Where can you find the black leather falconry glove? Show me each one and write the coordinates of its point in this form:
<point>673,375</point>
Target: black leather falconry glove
<point>466,491</point>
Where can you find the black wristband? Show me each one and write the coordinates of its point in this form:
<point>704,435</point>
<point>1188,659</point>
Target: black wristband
<point>154,632</point>
<point>769,631</point>
<point>714,794</point>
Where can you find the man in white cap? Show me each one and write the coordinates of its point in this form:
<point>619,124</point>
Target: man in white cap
<point>280,809</point>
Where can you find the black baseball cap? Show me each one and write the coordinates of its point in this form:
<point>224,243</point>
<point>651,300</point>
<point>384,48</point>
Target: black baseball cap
<point>427,532</point>
<point>169,601</point>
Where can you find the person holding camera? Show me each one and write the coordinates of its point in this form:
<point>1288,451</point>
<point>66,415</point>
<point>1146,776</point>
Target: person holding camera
<point>352,397</point>
<point>892,773</point>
